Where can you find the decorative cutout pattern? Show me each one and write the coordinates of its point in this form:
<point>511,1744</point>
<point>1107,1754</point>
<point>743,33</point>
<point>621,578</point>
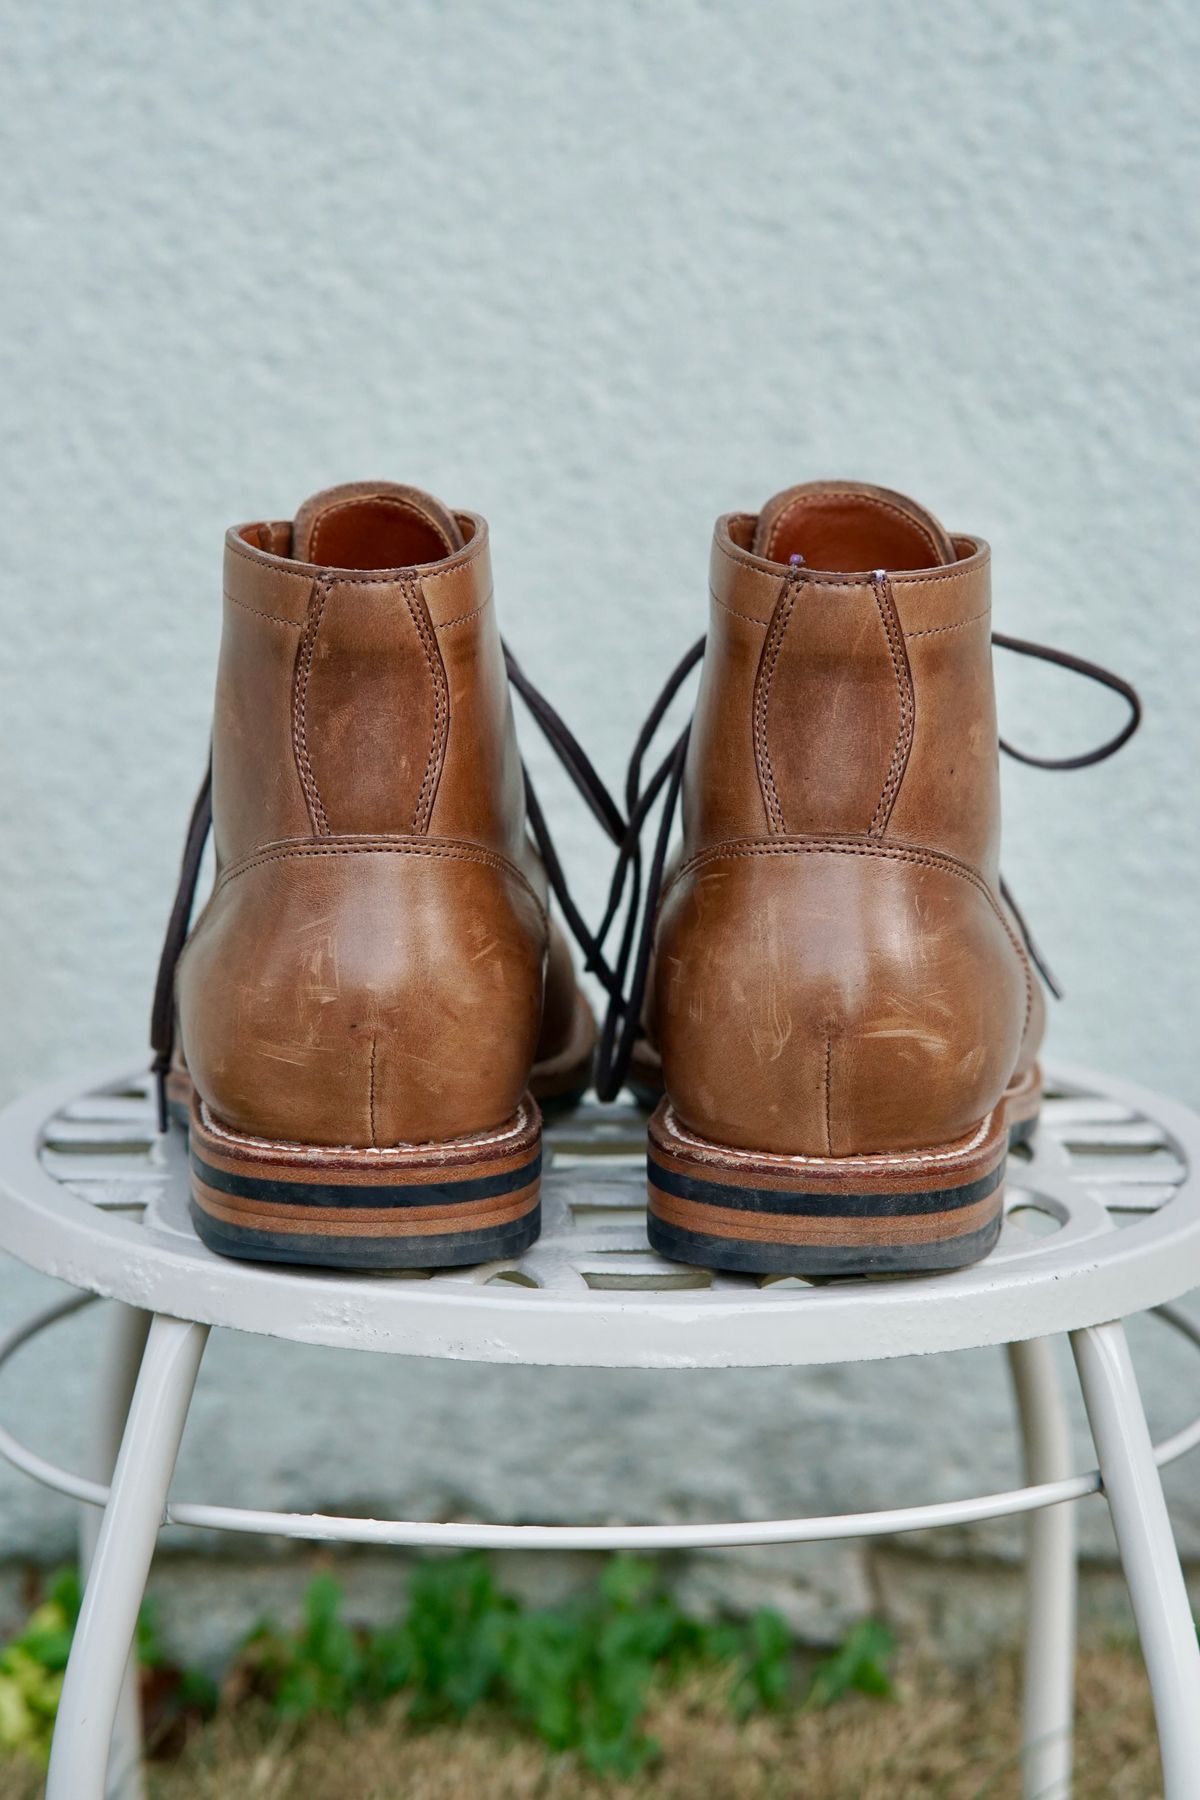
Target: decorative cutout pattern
<point>1094,1165</point>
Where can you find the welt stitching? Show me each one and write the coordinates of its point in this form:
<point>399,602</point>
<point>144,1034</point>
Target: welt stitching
<point>848,494</point>
<point>304,660</point>
<point>928,859</point>
<point>463,617</point>
<point>762,692</point>
<point>278,618</point>
<point>959,625</point>
<point>749,617</point>
<point>437,675</point>
<point>888,618</point>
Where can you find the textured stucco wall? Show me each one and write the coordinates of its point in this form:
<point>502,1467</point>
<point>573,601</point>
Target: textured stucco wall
<point>599,272</point>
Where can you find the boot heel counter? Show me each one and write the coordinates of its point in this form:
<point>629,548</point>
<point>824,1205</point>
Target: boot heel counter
<point>901,1028</point>
<point>365,992</point>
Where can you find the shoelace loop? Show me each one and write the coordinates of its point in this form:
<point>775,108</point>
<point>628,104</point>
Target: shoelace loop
<point>623,1020</point>
<point>575,761</point>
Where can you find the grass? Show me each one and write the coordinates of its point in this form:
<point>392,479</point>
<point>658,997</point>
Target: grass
<point>615,1692</point>
<point>946,1737</point>
<point>579,1676</point>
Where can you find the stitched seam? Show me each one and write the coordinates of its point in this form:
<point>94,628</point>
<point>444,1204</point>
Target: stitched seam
<point>371,1093</point>
<point>278,618</point>
<point>762,694</point>
<point>806,500</point>
<point>886,608</point>
<point>237,546</point>
<point>959,625</point>
<point>749,617</point>
<point>392,500</point>
<point>448,853</point>
<point>930,859</point>
<point>979,558</point>
<point>304,659</point>
<point>919,577</point>
<point>828,1092</point>
<point>386,1153</point>
<point>292,570</point>
<point>956,1152</point>
<point>867,499</point>
<point>463,617</point>
<point>441,704</point>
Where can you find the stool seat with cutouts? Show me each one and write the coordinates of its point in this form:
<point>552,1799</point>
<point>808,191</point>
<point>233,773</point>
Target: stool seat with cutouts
<point>1102,1222</point>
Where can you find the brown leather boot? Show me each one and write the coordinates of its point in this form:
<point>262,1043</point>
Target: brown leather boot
<point>374,993</point>
<point>841,1008</point>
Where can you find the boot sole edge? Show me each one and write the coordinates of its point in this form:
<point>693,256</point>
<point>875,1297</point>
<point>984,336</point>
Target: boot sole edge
<point>911,1213</point>
<point>419,1206</point>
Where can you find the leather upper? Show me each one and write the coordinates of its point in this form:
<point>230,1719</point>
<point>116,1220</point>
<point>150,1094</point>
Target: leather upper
<point>371,966</point>
<point>836,972</point>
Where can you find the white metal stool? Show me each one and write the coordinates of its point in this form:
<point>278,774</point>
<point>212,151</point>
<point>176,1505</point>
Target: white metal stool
<point>90,1193</point>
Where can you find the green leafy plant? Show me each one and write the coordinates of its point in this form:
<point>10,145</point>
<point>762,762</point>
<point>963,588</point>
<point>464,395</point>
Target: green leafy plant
<point>32,1665</point>
<point>767,1675</point>
<point>858,1665</point>
<point>31,1671</point>
<point>317,1669</point>
<point>579,1675</point>
<point>451,1649</point>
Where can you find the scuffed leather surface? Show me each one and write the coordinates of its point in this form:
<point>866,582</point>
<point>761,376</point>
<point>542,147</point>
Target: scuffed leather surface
<point>825,1000</point>
<point>349,992</point>
<point>375,964</point>
<point>835,972</point>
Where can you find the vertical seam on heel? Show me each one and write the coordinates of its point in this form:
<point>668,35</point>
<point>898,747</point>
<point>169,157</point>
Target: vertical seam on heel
<point>423,625</point>
<point>304,662</point>
<point>898,651</point>
<point>762,694</point>
<point>828,1096</point>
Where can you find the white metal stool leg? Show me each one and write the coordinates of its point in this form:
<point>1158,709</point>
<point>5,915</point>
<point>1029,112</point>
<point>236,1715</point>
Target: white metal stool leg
<point>124,1345</point>
<point>1148,1553</point>
<point>1050,1578</point>
<point>124,1548</point>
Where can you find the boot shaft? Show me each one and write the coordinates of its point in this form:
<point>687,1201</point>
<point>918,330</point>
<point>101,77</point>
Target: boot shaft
<point>371,967</point>
<point>856,703</point>
<point>363,700</point>
<point>835,971</point>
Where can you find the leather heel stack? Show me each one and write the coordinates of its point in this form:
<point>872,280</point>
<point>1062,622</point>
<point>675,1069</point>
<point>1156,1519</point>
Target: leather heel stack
<point>413,1206</point>
<point>354,1028</point>
<point>906,1213</point>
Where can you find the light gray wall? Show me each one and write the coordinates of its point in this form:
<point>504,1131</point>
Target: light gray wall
<point>599,272</point>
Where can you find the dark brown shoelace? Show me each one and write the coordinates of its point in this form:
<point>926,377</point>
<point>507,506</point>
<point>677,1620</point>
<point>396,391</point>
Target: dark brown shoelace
<point>162,1008</point>
<point>624,979</point>
<point>578,766</point>
<point>631,965</point>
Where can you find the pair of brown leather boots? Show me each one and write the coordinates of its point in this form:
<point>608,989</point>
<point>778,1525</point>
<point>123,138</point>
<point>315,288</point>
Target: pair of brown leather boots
<point>829,1003</point>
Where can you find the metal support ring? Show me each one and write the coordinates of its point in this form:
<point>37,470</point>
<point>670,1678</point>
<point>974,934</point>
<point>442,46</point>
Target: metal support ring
<point>335,1528</point>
